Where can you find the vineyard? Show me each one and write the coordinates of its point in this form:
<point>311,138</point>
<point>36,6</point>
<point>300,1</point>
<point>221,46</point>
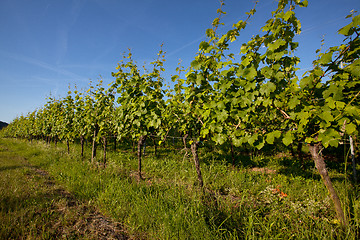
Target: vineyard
<point>235,106</point>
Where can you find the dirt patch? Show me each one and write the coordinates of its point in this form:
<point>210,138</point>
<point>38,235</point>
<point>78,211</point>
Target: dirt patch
<point>75,219</point>
<point>85,222</point>
<point>263,170</point>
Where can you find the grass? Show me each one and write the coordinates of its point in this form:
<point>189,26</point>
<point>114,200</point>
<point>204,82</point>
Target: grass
<point>264,197</point>
<point>33,206</point>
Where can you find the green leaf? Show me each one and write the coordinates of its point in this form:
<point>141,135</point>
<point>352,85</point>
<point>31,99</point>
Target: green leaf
<point>330,102</point>
<point>272,135</point>
<point>279,75</point>
<point>293,102</point>
<point>245,62</point>
<point>267,102</point>
<point>267,72</point>
<point>267,88</point>
<point>356,20</point>
<point>288,138</point>
<point>327,116</point>
<point>252,139</point>
<point>303,3</point>
<point>250,73</point>
<point>237,142</point>
<point>219,138</point>
<point>210,33</point>
<point>204,45</point>
<point>350,128</point>
<point>346,31</point>
<point>199,79</point>
<point>195,64</point>
<point>339,104</point>
<point>136,122</point>
<point>243,49</point>
<point>335,91</point>
<point>222,39</point>
<point>352,110</point>
<point>354,68</point>
<point>288,14</point>
<point>325,58</point>
<point>310,140</point>
<point>275,45</point>
<point>329,137</point>
<point>307,82</point>
<point>260,145</point>
<point>222,116</point>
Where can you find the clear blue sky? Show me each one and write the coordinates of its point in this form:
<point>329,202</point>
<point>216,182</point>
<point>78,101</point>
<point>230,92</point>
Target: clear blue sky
<point>45,45</point>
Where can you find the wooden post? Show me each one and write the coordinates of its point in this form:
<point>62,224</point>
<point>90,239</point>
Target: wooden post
<point>352,151</point>
<point>155,146</point>
<point>115,140</point>
<point>104,159</point>
<point>82,146</point>
<point>94,145</point>
<point>194,150</point>
<point>68,146</point>
<point>232,152</point>
<point>140,144</point>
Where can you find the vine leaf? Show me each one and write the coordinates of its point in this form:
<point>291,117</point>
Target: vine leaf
<point>270,137</point>
<point>288,138</point>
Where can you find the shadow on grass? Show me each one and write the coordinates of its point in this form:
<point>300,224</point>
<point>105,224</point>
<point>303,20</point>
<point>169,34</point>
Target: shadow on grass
<point>293,167</point>
<point>10,168</point>
<point>219,219</point>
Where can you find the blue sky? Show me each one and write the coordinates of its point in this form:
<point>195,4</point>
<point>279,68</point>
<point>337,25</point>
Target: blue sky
<point>45,45</point>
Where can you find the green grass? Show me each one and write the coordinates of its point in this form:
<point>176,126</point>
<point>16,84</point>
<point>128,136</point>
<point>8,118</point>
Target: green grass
<point>276,200</point>
<point>32,205</point>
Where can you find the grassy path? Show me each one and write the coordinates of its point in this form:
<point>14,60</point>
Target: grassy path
<point>33,206</point>
<point>272,198</point>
